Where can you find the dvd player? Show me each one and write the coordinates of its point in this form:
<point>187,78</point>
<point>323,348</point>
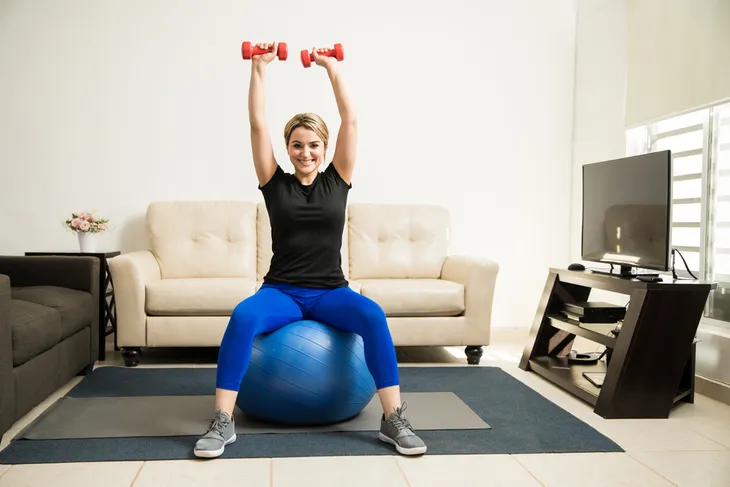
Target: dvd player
<point>595,312</point>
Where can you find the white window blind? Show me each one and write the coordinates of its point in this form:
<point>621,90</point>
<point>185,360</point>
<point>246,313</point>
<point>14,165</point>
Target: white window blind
<point>719,219</point>
<point>700,145</point>
<point>678,57</point>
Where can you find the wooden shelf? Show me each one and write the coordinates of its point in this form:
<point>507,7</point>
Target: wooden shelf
<point>643,379</point>
<point>576,328</point>
<point>681,395</point>
<point>569,376</point>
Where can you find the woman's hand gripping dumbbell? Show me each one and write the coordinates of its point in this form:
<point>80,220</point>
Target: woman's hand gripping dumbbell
<point>337,52</point>
<point>248,50</point>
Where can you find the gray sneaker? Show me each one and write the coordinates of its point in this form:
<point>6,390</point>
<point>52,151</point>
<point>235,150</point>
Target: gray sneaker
<point>398,431</point>
<point>221,432</point>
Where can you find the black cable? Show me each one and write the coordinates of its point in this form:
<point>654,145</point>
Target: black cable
<point>674,274</point>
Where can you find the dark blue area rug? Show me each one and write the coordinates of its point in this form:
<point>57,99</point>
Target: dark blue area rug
<point>522,421</point>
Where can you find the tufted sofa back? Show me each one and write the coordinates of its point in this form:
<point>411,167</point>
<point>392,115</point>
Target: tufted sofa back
<point>203,238</point>
<point>397,241</point>
<point>196,239</point>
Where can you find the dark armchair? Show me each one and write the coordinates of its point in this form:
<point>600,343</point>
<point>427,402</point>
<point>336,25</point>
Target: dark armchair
<point>49,330</point>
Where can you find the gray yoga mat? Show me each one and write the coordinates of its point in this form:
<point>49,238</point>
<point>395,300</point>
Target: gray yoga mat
<point>154,416</point>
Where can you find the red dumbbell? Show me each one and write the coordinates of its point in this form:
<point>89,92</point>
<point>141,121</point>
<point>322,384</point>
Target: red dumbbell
<point>337,53</point>
<point>248,51</point>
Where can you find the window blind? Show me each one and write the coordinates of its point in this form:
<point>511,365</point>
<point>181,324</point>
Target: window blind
<point>678,57</point>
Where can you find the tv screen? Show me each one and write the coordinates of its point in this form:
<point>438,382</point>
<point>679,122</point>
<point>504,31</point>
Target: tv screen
<point>627,211</point>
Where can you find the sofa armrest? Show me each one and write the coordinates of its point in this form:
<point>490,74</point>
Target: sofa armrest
<point>73,272</point>
<point>479,278</point>
<point>130,273</point>
<point>7,384</point>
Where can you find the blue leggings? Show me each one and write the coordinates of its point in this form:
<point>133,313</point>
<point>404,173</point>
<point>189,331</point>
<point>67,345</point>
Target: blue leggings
<point>277,305</point>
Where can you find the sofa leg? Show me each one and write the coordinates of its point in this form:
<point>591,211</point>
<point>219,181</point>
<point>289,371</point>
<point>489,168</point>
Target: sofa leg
<point>473,354</point>
<point>131,356</point>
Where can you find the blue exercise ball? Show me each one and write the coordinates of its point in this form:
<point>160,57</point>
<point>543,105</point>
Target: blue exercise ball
<point>306,374</point>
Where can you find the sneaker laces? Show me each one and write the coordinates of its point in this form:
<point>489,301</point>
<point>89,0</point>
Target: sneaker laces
<point>398,420</point>
<point>217,424</point>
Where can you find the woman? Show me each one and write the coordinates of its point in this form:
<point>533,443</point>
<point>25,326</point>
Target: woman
<point>305,279</point>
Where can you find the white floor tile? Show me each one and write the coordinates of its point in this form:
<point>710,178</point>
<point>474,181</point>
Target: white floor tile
<point>382,471</point>
<point>108,474</point>
<point>707,417</point>
<point>593,469</point>
<point>445,470</point>
<point>717,430</point>
<point>689,469</point>
<point>196,473</point>
<point>654,435</point>
<point>3,469</point>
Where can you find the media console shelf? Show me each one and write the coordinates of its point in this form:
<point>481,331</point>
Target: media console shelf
<point>651,364</point>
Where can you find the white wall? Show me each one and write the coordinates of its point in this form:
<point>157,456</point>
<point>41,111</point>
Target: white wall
<point>600,96</point>
<point>110,105</point>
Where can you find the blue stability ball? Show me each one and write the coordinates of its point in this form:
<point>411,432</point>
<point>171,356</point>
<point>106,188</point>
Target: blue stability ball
<point>306,374</point>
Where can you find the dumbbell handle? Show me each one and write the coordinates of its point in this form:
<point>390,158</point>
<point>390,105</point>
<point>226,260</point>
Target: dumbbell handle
<point>328,52</point>
<point>337,52</point>
<point>257,51</point>
<point>249,50</point>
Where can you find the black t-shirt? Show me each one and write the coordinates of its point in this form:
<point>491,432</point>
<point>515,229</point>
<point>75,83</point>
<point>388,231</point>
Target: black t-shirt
<point>306,229</point>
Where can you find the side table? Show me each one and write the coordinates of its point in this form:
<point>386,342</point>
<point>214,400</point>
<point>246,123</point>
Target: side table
<point>107,309</point>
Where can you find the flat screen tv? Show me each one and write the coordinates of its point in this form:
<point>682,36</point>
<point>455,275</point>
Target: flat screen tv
<point>627,206</point>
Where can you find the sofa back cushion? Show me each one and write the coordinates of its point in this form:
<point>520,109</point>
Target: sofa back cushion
<point>203,238</point>
<point>397,241</point>
<point>263,227</point>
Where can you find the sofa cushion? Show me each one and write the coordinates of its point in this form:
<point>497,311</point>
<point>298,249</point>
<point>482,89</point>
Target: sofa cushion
<point>201,297</point>
<point>415,297</point>
<point>193,239</point>
<point>34,328</point>
<point>397,241</point>
<point>76,307</point>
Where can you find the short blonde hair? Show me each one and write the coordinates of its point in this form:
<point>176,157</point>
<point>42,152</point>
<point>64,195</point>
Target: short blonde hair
<point>310,121</point>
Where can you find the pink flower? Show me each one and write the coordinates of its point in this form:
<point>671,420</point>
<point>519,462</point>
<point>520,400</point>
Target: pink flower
<point>102,227</point>
<point>81,215</point>
<point>75,223</point>
<point>84,225</point>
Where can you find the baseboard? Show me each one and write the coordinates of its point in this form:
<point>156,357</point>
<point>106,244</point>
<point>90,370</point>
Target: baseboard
<point>713,389</point>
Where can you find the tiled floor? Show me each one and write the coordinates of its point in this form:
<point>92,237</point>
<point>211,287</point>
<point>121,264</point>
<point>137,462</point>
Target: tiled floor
<point>690,449</point>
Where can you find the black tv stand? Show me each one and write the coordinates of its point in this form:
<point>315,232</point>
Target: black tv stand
<point>649,366</point>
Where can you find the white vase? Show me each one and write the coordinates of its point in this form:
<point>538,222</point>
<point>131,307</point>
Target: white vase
<point>87,242</point>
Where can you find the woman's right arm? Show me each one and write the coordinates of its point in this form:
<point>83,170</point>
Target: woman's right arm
<point>263,152</point>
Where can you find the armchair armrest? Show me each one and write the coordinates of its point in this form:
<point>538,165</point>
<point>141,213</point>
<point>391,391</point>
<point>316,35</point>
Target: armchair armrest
<point>7,384</point>
<point>73,272</point>
<point>479,278</point>
<point>130,273</point>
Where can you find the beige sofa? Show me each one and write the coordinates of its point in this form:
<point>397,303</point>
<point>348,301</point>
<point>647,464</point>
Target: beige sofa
<point>205,257</point>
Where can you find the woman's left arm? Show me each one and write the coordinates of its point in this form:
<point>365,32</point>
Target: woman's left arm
<point>346,146</point>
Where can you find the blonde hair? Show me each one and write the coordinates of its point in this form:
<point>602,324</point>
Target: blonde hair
<point>310,121</point>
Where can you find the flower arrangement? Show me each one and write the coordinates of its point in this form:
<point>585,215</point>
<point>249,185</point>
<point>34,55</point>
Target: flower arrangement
<point>84,222</point>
